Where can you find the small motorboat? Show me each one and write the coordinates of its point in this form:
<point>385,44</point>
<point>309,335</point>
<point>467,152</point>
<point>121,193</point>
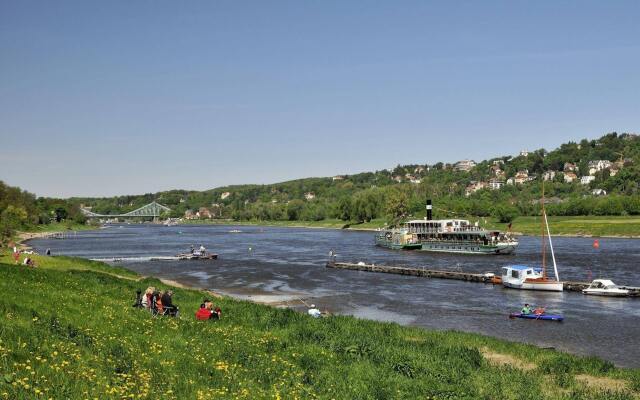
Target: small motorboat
<point>197,256</point>
<point>605,287</point>
<point>543,317</point>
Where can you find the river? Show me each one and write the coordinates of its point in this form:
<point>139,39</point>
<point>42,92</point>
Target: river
<point>275,264</point>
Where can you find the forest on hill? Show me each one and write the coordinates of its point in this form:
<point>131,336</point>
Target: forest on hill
<point>590,177</point>
<point>505,187</point>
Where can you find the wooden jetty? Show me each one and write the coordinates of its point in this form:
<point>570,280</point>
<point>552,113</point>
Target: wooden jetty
<point>438,274</point>
<point>61,235</point>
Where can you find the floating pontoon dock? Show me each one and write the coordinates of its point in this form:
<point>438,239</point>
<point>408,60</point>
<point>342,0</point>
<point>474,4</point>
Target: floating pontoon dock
<point>440,274</point>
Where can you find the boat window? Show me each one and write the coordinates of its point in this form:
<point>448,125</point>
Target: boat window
<point>515,274</point>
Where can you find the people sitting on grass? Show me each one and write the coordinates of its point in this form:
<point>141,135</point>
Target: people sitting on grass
<point>29,262</point>
<point>146,298</point>
<point>167,303</point>
<point>156,302</point>
<point>206,311</point>
<point>314,312</point>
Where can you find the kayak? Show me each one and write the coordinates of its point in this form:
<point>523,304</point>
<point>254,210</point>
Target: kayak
<point>544,317</point>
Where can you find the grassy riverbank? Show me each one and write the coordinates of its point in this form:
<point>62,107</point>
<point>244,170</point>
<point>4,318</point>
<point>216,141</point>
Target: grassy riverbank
<point>69,331</point>
<point>43,230</point>
<point>612,226</point>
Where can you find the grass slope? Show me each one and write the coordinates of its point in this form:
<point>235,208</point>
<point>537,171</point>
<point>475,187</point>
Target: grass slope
<point>68,331</point>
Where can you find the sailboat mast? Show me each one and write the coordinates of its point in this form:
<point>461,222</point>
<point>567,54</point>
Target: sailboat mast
<point>544,242</point>
<point>553,256</point>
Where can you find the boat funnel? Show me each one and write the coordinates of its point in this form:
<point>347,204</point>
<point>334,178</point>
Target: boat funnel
<point>429,210</point>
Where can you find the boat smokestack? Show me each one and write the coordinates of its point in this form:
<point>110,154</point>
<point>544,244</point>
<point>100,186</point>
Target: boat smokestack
<point>429,210</point>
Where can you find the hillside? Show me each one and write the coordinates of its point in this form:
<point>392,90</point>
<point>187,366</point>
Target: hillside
<point>503,187</point>
<point>69,331</point>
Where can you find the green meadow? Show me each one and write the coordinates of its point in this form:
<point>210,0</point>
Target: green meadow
<point>622,226</point>
<point>69,331</point>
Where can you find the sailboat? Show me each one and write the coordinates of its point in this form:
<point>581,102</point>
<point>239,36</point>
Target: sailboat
<point>530,278</point>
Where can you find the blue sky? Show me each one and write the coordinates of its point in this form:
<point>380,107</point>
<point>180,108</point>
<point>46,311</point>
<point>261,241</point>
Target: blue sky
<point>106,98</point>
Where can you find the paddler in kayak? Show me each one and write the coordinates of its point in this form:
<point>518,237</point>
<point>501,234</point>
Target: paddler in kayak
<point>526,310</point>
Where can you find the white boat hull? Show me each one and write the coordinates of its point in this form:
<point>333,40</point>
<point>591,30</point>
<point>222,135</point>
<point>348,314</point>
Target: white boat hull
<point>606,292</point>
<point>546,286</point>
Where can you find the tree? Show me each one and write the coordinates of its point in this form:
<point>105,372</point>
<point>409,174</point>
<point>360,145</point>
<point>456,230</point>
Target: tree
<point>294,209</point>
<point>344,209</point>
<point>61,214</point>
<point>396,206</point>
<point>505,213</point>
<point>12,218</point>
<point>365,206</point>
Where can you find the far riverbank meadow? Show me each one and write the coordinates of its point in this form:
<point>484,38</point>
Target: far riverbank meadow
<point>69,331</point>
<point>597,226</point>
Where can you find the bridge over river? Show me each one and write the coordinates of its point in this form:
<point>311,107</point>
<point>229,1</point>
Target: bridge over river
<point>152,209</point>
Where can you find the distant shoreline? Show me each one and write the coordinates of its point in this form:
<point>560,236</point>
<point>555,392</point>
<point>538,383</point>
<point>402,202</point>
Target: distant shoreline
<point>313,225</point>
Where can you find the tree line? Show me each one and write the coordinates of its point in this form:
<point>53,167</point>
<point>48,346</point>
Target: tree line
<point>393,194</point>
<point>21,210</point>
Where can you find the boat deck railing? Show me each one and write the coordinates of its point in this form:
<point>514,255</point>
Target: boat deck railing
<point>450,229</point>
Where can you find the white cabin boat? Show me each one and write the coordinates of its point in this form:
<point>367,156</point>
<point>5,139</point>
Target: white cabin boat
<point>605,287</point>
<point>528,278</point>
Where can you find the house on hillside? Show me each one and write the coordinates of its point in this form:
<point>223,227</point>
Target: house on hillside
<point>524,153</point>
<point>598,165</point>
<point>419,170</point>
<point>496,171</point>
<point>587,179</point>
<point>309,195</point>
<point>496,184</point>
<point>511,181</point>
<point>338,178</point>
<point>204,212</point>
<point>464,165</point>
<point>570,167</point>
<point>225,195</point>
<point>569,177</point>
<point>474,187</point>
<point>189,214</point>
<point>549,175</point>
<point>413,179</point>
<point>521,177</point>
<point>397,178</point>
